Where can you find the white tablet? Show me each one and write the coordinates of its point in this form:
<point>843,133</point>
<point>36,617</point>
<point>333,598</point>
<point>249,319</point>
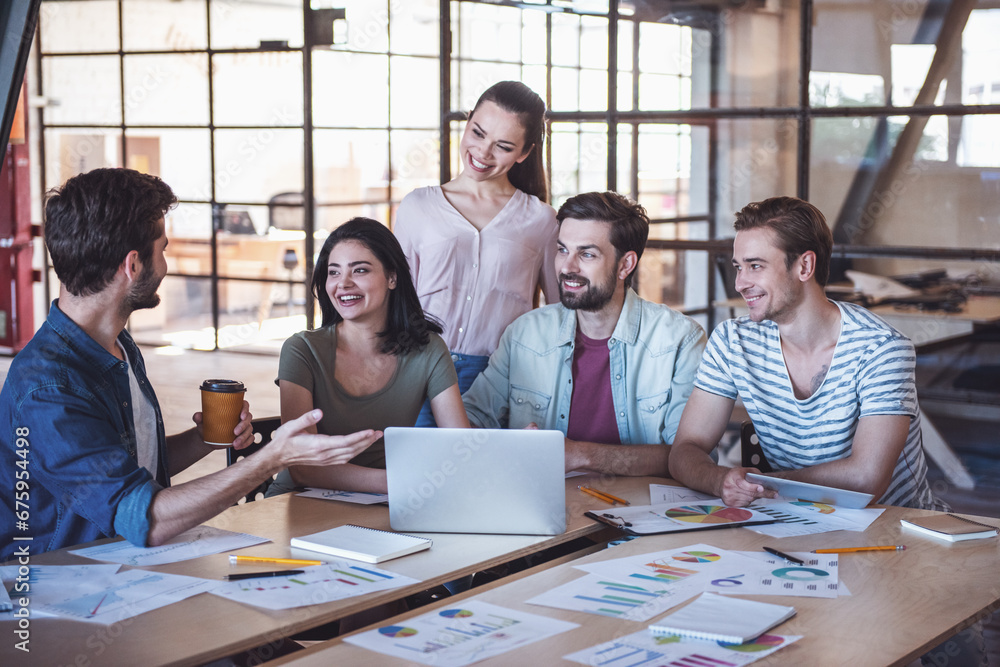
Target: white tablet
<point>815,492</point>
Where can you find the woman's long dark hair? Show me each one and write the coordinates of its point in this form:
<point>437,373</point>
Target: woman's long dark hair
<point>516,98</point>
<point>407,327</point>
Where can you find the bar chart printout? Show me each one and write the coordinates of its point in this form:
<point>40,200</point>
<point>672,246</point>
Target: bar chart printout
<point>641,649</point>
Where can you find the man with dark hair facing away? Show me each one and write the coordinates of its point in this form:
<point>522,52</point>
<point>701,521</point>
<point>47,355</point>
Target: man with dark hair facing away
<point>81,426</point>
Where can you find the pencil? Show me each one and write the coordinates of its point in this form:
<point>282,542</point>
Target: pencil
<point>847,550</point>
<point>597,494</point>
<point>234,559</point>
<point>613,497</point>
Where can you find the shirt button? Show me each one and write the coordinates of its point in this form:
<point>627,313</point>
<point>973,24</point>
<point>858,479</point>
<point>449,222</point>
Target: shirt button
<point>622,414</point>
<point>468,298</point>
<point>562,416</point>
<point>461,330</point>
<point>475,266</point>
<point>537,406</point>
<point>618,377</point>
<point>520,400</point>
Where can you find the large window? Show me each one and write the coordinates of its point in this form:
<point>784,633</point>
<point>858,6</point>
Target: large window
<point>694,109</point>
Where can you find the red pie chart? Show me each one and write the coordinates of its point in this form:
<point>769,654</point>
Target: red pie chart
<point>708,514</point>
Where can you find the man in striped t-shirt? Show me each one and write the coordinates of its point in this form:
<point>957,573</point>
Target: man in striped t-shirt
<point>829,386</point>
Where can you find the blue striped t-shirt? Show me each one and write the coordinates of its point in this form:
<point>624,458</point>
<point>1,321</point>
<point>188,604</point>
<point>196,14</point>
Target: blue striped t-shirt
<point>871,373</point>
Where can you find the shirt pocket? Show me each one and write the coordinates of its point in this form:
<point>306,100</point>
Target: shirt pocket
<point>652,410</point>
<point>437,268</point>
<point>526,406</point>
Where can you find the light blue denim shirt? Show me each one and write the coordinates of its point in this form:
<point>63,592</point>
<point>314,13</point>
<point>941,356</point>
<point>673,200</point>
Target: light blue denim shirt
<point>655,353</point>
<point>66,433</point>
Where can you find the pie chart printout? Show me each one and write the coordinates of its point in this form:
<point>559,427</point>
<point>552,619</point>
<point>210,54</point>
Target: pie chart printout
<point>708,514</point>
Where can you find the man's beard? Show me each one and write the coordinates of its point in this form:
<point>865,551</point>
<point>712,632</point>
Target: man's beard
<point>143,294</point>
<point>592,299</point>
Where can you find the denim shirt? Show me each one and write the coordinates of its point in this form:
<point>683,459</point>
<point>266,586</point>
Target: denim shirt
<point>655,353</point>
<point>68,438</point>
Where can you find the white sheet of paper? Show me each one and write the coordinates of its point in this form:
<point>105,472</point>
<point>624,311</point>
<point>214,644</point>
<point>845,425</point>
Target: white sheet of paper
<point>642,649</point>
<point>664,493</point>
<point>461,635</point>
<point>41,577</point>
<point>198,541</point>
<point>114,597</point>
<point>597,594</point>
<point>318,584</point>
<point>358,497</point>
<point>818,577</point>
<point>804,517</point>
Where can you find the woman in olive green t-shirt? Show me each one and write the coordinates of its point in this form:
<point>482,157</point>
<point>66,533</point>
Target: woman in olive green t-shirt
<point>372,363</point>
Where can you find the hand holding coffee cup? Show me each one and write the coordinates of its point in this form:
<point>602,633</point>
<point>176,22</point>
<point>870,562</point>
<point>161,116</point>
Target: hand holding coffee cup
<point>221,405</point>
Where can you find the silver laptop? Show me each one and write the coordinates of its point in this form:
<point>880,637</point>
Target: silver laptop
<point>454,480</point>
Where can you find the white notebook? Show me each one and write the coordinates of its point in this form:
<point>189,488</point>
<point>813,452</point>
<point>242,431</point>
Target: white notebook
<point>723,618</point>
<point>359,543</point>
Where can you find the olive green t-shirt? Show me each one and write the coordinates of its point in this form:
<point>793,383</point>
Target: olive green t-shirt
<point>308,359</point>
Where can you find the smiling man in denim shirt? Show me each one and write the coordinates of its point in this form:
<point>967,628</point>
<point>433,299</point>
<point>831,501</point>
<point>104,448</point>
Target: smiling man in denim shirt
<point>83,453</point>
<point>607,368</point>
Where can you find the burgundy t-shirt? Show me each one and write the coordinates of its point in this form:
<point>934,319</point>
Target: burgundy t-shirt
<point>592,411</point>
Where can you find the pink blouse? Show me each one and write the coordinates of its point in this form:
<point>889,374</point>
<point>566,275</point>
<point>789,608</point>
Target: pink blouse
<point>478,282</point>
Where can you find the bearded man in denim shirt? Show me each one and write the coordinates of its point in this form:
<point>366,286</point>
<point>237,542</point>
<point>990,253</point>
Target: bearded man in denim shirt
<point>83,453</point>
<point>609,369</point>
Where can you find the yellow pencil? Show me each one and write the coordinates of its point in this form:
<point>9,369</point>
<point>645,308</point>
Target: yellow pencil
<point>847,550</point>
<point>281,561</point>
<point>615,498</point>
<point>598,495</point>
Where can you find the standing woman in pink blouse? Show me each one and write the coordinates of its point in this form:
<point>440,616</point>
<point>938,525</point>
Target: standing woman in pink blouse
<point>480,245</point>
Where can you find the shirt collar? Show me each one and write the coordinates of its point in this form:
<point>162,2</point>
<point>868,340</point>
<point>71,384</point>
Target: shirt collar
<point>627,329</point>
<point>82,344</point>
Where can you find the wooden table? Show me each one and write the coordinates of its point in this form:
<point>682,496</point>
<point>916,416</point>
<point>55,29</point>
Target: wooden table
<point>901,605</point>
<point>207,627</point>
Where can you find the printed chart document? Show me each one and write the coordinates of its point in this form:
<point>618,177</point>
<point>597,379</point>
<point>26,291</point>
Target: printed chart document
<point>198,541</point>
<point>642,649</point>
<point>109,597</point>
<point>678,517</point>
<point>460,635</point>
<point>817,577</point>
<point>50,578</point>
<point>805,517</point>
<point>358,497</point>
<point>723,619</point>
<point>316,585</point>
<point>633,600</point>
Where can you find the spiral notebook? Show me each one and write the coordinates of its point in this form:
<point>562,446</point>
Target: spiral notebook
<point>359,543</point>
<point>723,618</point>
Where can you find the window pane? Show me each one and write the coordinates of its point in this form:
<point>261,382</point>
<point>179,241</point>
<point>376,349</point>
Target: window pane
<point>625,161</point>
<point>368,22</point>
<point>579,159</point>
<point>665,170</point>
<point>188,221</point>
<point>594,42</point>
<point>565,89</point>
<point>565,40</point>
<point>414,97</point>
<point>247,24</point>
<point>82,90</point>
<point>254,165</point>
<point>415,161</point>
<point>657,91</point>
<point>661,48</point>
<point>414,27</point>
<point>910,205</point>
<point>183,318</point>
<point>475,77</point>
<point>154,25</point>
<point>76,151</point>
<point>755,160</point>
<point>533,38</point>
<point>331,217</point>
<point>166,90</point>
<point>625,39</point>
<point>490,33</point>
<point>78,26</point>
<point>257,89</point>
<point>351,165</point>
<point>179,157</point>
<point>979,58</point>
<point>335,75</point>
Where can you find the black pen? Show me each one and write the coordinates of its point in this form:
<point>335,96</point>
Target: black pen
<point>790,559</point>
<point>255,575</point>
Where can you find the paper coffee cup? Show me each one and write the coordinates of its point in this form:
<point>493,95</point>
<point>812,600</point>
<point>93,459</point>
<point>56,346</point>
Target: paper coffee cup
<point>221,404</point>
